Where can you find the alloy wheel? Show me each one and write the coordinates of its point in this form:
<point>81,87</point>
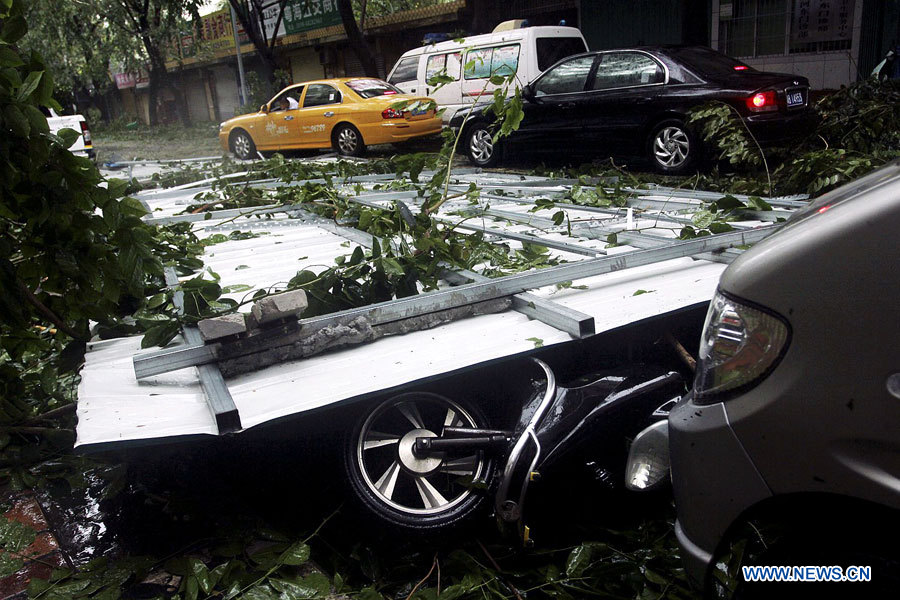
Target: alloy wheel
<point>398,477</point>
<point>348,140</point>
<point>671,146</point>
<point>242,145</point>
<point>481,145</point>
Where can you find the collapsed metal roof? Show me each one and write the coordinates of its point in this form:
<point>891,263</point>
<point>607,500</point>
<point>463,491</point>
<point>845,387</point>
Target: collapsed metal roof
<point>115,407</point>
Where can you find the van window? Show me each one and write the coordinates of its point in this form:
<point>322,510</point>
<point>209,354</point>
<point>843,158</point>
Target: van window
<point>443,64</point>
<point>505,61</point>
<point>406,70</point>
<point>485,62</point>
<point>478,63</point>
<point>553,49</point>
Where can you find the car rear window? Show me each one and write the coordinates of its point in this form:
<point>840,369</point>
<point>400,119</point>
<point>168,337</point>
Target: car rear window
<point>371,88</point>
<point>553,49</point>
<point>710,62</point>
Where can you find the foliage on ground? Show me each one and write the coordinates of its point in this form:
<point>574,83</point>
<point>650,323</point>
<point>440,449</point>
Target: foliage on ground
<point>128,140</point>
<point>857,130</point>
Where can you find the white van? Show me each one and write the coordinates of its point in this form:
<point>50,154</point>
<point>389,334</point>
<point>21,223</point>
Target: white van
<point>527,52</point>
<point>83,145</point>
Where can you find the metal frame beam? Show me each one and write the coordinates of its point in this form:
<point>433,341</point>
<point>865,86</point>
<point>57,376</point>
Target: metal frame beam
<point>479,291</point>
<point>218,398</point>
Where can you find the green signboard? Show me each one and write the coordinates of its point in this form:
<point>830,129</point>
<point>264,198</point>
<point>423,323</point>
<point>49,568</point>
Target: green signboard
<point>306,15</point>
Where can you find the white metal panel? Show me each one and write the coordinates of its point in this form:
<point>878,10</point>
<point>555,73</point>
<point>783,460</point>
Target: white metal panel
<point>114,407</point>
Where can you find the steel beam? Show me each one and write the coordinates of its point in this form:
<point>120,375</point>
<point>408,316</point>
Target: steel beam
<point>218,398</point>
<point>480,291</point>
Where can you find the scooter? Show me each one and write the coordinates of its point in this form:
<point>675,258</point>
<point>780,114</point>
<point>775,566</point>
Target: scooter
<point>423,461</point>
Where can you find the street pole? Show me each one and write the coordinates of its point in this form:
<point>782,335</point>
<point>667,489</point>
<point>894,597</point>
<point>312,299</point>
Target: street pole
<point>240,61</point>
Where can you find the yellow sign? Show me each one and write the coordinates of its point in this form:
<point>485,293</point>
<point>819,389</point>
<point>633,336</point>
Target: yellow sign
<point>215,30</point>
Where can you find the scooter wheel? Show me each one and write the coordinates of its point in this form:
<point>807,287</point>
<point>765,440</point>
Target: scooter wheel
<point>410,491</point>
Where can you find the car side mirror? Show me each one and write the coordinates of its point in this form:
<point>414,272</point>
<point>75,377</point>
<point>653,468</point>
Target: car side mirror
<point>528,92</point>
<point>264,108</point>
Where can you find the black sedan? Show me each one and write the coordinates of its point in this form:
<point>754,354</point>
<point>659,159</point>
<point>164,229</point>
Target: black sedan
<point>635,102</point>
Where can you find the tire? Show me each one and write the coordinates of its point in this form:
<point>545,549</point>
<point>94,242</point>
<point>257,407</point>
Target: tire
<point>480,147</point>
<point>242,145</point>
<point>673,148</point>
<point>416,493</point>
<point>347,141</point>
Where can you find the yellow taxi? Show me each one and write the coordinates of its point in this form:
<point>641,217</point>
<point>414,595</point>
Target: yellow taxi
<point>344,114</point>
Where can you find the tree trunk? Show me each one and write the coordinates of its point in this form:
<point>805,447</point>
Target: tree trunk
<point>256,32</point>
<point>358,42</point>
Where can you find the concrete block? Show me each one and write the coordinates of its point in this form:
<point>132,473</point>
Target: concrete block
<point>279,306</point>
<point>219,327</point>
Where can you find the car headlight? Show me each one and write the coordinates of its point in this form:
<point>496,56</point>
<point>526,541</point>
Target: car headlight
<point>740,346</point>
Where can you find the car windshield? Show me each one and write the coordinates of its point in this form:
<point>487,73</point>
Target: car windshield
<point>370,88</point>
<point>710,62</point>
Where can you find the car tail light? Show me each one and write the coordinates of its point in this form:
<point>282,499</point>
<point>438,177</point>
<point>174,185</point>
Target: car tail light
<point>391,113</point>
<point>740,346</point>
<point>86,133</point>
<point>740,67</point>
<point>762,102</point>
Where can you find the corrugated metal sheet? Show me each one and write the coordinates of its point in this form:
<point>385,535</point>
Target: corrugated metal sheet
<point>114,407</point>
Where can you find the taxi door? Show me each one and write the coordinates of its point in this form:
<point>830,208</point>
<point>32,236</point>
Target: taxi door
<point>317,115</point>
<point>280,127</point>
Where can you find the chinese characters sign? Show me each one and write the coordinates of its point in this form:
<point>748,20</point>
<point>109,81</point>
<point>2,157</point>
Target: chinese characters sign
<point>215,30</point>
<point>306,15</point>
<point>822,20</point>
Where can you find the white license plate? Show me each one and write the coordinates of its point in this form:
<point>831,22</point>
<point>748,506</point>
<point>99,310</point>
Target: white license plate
<point>795,98</point>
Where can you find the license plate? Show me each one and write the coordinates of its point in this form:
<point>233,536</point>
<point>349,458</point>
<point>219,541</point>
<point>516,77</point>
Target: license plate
<point>794,98</point>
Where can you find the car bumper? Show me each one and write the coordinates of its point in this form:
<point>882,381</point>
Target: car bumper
<point>399,130</point>
<point>777,129</point>
<point>223,140</point>
<point>713,478</point>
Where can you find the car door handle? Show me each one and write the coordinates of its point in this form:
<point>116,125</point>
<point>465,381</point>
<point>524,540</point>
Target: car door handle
<point>289,118</point>
<point>412,91</point>
<point>329,113</point>
<point>567,105</point>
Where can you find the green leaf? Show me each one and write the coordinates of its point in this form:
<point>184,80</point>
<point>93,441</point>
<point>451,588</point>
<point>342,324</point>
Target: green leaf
<point>10,58</point>
<point>160,335</point>
<point>654,577</point>
<point>192,588</point>
<point>728,203</point>
<point>559,217</point>
<point>640,292</point>
<point>36,118</point>
<point>16,121</point>
<point>720,227</point>
<point>13,30</point>
<point>200,571</point>
<point>369,593</point>
<point>29,85</point>
<point>297,554</point>
<point>538,342</point>
<point>68,136</point>
<point>757,203</point>
<point>578,560</point>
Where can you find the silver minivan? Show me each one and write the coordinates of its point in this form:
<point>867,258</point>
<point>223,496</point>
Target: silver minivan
<point>787,450</point>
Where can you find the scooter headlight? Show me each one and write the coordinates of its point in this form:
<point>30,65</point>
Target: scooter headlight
<point>741,345</point>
